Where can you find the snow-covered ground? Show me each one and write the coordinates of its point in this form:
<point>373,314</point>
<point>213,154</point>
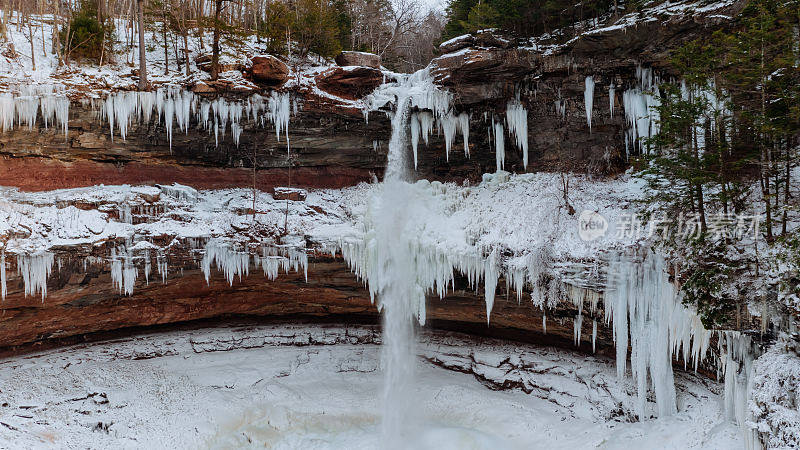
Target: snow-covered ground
<point>295,386</point>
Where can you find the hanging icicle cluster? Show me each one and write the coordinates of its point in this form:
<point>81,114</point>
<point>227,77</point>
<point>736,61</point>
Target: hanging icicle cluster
<point>642,303</point>
<point>517,120</point>
<point>26,103</point>
<point>172,106</point>
<point>640,103</point>
<point>34,270</point>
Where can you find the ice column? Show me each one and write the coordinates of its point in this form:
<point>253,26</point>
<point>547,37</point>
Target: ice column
<point>3,291</point>
<point>463,120</point>
<point>499,146</point>
<point>588,99</point>
<point>517,120</point>
<point>611,99</point>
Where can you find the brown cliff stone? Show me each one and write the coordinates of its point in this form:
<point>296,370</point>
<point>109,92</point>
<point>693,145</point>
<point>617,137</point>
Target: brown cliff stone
<point>350,83</point>
<point>359,59</point>
<point>269,70</point>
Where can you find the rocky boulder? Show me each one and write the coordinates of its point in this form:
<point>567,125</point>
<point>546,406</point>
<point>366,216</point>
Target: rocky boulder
<point>350,82</point>
<point>359,59</point>
<point>269,70</point>
<point>202,87</point>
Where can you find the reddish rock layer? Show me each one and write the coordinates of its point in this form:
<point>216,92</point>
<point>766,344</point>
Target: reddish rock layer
<point>42,174</point>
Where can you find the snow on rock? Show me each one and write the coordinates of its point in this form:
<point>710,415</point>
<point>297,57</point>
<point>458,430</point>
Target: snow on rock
<point>180,192</point>
<point>196,217</point>
<point>350,58</point>
<point>773,408</point>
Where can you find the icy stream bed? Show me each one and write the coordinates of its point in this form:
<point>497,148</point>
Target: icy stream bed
<point>297,386</point>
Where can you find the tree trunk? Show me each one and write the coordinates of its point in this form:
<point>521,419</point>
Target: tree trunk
<point>787,195</point>
<point>215,45</point>
<point>56,37</point>
<point>33,51</point>
<point>766,166</point>
<point>166,43</point>
<point>142,51</point>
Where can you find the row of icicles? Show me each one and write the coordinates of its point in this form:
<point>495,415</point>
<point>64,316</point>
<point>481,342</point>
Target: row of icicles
<point>35,269</point>
<point>174,106</point>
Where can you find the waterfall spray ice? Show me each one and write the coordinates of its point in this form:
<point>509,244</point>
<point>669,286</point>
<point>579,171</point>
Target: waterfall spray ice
<point>398,293</point>
<point>389,252</point>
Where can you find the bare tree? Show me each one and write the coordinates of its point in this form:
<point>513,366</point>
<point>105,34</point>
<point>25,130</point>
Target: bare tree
<point>219,5</point>
<point>142,50</point>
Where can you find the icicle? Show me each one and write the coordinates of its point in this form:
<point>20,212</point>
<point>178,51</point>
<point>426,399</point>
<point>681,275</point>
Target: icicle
<point>449,123</point>
<point>577,323</point>
<point>588,100</point>
<point>161,262</point>
<point>108,106</point>
<point>544,322</point>
<point>230,262</point>
<point>123,271</point>
<point>147,267</point>
<point>499,146</point>
<point>463,120</point>
<point>279,111</point>
<point>34,270</point>
<point>659,326</point>
<point>611,98</point>
<point>425,124</point>
<point>3,290</point>
<point>517,120</point>
<point>490,282</point>
<point>169,113</point>
<point>594,335</point>
<point>414,122</point>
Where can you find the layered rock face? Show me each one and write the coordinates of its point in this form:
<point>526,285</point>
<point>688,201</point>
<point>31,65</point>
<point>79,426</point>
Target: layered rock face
<point>332,145</point>
<point>82,299</point>
<point>329,148</point>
